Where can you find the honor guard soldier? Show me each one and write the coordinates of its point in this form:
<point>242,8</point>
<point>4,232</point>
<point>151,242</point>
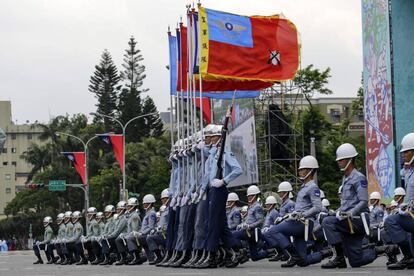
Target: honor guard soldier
<point>271,213</point>
<point>127,238</point>
<point>400,227</point>
<point>149,223</point>
<point>103,241</point>
<point>346,231</point>
<point>59,237</point>
<point>68,235</point>
<point>376,215</point>
<point>100,219</point>
<point>217,195</point>
<point>156,239</point>
<point>115,239</point>
<point>45,244</point>
<point>300,222</point>
<point>74,244</point>
<point>233,215</point>
<point>92,233</point>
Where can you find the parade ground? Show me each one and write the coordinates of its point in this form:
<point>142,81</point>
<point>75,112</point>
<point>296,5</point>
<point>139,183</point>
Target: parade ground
<point>20,263</point>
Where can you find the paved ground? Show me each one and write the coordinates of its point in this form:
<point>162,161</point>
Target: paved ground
<point>20,263</point>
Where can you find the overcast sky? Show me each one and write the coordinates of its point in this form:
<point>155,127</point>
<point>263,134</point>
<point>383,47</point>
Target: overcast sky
<point>48,48</point>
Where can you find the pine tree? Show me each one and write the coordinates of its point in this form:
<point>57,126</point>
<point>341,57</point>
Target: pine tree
<point>104,84</point>
<point>130,104</point>
<point>154,125</point>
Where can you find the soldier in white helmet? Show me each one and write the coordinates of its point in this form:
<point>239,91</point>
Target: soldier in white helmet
<point>68,235</point>
<point>271,213</point>
<point>401,225</point>
<point>127,241</point>
<point>376,216</point>
<point>345,231</point>
<point>233,212</point>
<point>149,223</point>
<point>71,240</point>
<point>157,237</point>
<point>86,241</point>
<point>103,243</point>
<point>114,237</point>
<point>45,244</point>
<point>59,237</point>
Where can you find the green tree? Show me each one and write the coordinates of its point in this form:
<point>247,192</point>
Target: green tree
<point>130,105</point>
<point>153,123</point>
<point>104,84</point>
<point>310,80</point>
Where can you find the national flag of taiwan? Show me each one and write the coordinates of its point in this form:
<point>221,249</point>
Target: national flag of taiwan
<point>264,48</point>
<point>115,141</point>
<point>78,161</point>
<point>206,109</point>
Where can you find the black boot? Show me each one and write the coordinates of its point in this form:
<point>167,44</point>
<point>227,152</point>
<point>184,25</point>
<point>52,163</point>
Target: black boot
<point>136,260</point>
<point>170,255</point>
<point>61,259</point>
<point>97,260</point>
<point>107,260</point>
<point>122,260</point>
<point>194,255</point>
<point>232,258</point>
<point>277,256</point>
<point>294,259</point>
<point>338,261</point>
<point>39,260</point>
<point>158,257</point>
<point>199,260</point>
<point>167,256</point>
<point>209,262</point>
<point>222,255</point>
<point>407,260</point>
<point>185,256</point>
<point>242,256</point>
<point>83,260</point>
<point>175,258</point>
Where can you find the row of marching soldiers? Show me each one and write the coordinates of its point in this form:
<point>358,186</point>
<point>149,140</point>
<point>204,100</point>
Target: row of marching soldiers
<point>204,228</point>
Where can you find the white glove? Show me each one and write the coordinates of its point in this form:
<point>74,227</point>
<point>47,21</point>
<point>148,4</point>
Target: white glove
<point>402,211</point>
<point>200,197</point>
<point>184,200</point>
<point>193,147</point>
<point>217,183</point>
<point>194,197</point>
<point>278,220</point>
<point>64,240</point>
<point>240,226</point>
<point>38,242</point>
<point>265,229</point>
<point>173,202</point>
<point>200,145</point>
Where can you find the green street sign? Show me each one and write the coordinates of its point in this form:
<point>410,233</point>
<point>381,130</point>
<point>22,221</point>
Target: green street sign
<point>57,185</point>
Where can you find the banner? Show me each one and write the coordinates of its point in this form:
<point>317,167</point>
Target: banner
<point>78,161</point>
<point>115,141</point>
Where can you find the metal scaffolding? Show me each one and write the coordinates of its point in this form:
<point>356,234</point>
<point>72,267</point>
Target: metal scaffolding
<point>282,105</point>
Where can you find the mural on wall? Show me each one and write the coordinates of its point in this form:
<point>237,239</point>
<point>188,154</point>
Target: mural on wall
<point>378,97</point>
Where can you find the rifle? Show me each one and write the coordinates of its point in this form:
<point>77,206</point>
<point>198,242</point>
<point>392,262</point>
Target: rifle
<point>224,131</point>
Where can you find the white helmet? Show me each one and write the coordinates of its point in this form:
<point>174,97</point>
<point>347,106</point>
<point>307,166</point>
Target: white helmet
<point>322,194</point>
<point>164,193</point>
<point>308,162</point>
<point>109,208</point>
<point>232,197</point>
<point>162,208</point>
<point>99,215</point>
<point>91,210</point>
<point>345,151</point>
<point>375,195</point>
<point>132,202</point>
<point>270,200</point>
<point>399,191</point>
<point>60,217</point>
<point>208,130</point>
<point>325,203</point>
<point>394,203</point>
<point>121,205</point>
<point>217,130</point>
<point>68,214</point>
<point>284,187</point>
<point>76,215</point>
<point>407,142</point>
<point>244,209</point>
<point>149,198</point>
<point>47,220</point>
<point>253,190</point>
<point>340,190</point>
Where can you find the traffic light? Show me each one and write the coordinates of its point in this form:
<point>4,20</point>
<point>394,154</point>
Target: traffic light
<point>35,186</point>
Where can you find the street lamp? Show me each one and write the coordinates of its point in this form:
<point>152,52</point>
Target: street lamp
<point>123,141</point>
<point>86,153</point>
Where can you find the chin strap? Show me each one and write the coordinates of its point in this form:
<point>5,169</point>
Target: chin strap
<point>409,163</point>
<point>347,165</point>
<point>307,175</point>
